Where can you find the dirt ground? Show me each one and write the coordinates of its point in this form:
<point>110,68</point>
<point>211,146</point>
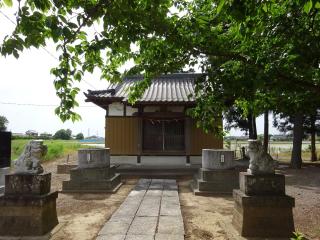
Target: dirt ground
<point>81,216</point>
<point>203,216</point>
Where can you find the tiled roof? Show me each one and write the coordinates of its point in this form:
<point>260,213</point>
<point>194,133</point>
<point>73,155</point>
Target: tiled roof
<point>177,87</point>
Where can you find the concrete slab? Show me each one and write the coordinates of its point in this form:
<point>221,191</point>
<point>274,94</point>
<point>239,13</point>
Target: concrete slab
<point>149,207</point>
<point>171,200</point>
<point>143,226</point>
<point>139,237</point>
<point>111,237</point>
<point>151,211</point>
<point>170,193</point>
<point>114,228</point>
<point>119,218</point>
<point>169,209</point>
<point>171,225</point>
<point>154,193</point>
<point>160,236</point>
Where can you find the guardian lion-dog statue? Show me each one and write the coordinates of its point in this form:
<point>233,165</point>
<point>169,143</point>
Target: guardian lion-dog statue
<point>29,160</point>
<point>260,161</point>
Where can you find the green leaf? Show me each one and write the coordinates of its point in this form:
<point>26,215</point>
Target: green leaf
<point>8,3</point>
<point>265,7</point>
<point>317,5</point>
<point>220,6</point>
<point>308,6</point>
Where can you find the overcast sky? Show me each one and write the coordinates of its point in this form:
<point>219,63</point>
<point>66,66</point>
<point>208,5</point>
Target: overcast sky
<point>27,80</point>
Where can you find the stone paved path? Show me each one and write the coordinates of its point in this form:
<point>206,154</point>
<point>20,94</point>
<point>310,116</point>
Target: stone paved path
<point>150,212</point>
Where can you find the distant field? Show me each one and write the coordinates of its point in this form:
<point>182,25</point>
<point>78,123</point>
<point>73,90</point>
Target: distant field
<point>279,150</point>
<point>56,148</point>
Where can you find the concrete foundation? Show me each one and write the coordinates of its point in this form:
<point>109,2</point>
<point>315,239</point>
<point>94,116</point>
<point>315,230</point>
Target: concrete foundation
<point>209,182</point>
<point>261,207</point>
<point>92,180</point>
<point>28,208</point>
<point>65,168</point>
<point>3,172</point>
<point>93,173</point>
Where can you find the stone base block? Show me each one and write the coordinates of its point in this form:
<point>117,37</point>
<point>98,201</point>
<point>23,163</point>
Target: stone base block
<point>264,185</point>
<point>65,168</point>
<point>28,184</point>
<point>92,180</point>
<point>263,216</point>
<point>28,215</point>
<point>216,181</point>
<point>3,172</point>
<point>91,174</point>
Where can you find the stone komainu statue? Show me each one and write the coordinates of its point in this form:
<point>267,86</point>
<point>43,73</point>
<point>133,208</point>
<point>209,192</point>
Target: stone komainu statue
<point>260,161</point>
<point>29,160</point>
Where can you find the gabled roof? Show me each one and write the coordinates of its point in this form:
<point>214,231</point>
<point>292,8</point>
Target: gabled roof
<point>169,88</point>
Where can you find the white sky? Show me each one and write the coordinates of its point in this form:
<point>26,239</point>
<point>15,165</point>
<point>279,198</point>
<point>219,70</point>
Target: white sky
<point>27,80</point>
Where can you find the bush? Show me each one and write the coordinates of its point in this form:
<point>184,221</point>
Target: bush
<point>79,136</point>
<point>63,134</point>
<point>55,150</point>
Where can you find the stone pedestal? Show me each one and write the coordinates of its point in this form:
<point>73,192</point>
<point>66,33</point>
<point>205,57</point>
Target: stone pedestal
<point>28,208</point>
<point>261,207</point>
<point>217,159</point>
<point>93,173</point>
<point>3,172</point>
<point>218,174</point>
<point>215,181</point>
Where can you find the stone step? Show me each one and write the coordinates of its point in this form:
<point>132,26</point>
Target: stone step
<point>216,186</point>
<point>91,174</point>
<point>102,185</point>
<point>218,175</point>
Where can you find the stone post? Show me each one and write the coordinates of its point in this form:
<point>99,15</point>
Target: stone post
<point>218,174</point>
<point>93,173</point>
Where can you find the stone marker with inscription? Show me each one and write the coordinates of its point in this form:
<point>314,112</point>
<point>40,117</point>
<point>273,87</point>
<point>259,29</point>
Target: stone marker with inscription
<point>93,173</point>
<point>219,173</point>
<point>262,209</point>
<point>28,207</point>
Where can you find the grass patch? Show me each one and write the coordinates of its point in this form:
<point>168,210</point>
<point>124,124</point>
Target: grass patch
<point>56,148</point>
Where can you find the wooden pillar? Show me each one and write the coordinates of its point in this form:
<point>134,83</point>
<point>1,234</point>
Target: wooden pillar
<point>140,134</point>
<point>187,137</point>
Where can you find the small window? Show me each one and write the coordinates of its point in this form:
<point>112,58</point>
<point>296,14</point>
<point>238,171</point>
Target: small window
<point>163,135</point>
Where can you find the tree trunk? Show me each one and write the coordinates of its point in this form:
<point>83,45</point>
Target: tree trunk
<point>296,160</point>
<point>252,126</point>
<point>266,131</point>
<point>313,139</point>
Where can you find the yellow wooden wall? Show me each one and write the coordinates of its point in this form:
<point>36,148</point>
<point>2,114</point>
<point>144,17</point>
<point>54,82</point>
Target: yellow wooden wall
<point>122,135</point>
<point>200,140</point>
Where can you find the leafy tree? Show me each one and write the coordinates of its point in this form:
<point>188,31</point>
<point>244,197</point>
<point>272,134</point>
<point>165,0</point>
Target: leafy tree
<point>79,136</point>
<point>256,54</point>
<point>64,134</point>
<point>235,119</point>
<point>3,123</point>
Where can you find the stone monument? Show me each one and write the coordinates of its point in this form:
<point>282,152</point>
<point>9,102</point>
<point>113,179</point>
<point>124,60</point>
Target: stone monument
<point>5,157</point>
<point>262,209</point>
<point>28,207</point>
<point>93,173</point>
<point>219,172</point>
